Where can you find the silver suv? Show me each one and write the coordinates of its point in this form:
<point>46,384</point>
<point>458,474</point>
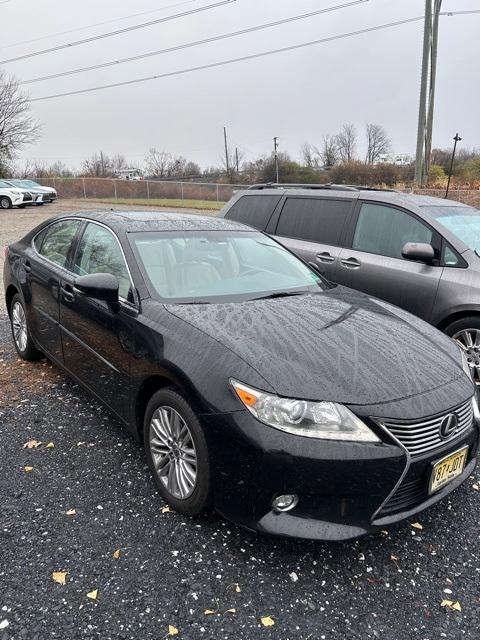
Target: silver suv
<point>418,252</point>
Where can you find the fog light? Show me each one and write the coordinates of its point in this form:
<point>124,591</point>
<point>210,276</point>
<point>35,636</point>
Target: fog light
<point>285,503</point>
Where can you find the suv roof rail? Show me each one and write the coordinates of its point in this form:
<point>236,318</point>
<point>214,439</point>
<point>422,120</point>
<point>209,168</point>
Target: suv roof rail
<point>326,186</point>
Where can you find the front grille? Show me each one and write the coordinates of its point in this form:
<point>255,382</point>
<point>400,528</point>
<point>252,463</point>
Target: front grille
<point>27,196</point>
<point>46,197</point>
<point>408,496</point>
<point>419,437</point>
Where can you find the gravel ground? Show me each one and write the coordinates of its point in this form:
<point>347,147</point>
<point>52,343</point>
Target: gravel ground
<point>172,569</point>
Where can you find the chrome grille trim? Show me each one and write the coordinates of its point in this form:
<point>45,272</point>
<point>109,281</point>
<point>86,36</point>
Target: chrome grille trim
<point>419,437</point>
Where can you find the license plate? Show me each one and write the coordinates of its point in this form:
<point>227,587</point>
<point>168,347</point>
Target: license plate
<point>445,470</point>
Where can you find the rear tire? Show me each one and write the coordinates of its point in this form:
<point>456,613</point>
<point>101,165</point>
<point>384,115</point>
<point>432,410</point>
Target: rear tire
<point>466,333</point>
<point>177,453</point>
<point>22,338</point>
<point>5,202</point>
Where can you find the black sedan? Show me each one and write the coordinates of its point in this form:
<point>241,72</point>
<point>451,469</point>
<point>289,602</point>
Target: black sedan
<point>290,405</point>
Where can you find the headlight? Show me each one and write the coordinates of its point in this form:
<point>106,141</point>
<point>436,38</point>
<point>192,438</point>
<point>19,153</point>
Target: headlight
<point>326,420</point>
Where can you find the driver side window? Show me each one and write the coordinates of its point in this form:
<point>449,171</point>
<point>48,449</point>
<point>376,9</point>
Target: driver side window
<point>384,230</point>
<point>99,252</point>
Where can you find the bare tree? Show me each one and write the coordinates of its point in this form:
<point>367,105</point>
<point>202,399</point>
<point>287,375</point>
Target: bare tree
<point>311,155</point>
<point>157,163</point>
<point>347,142</point>
<point>378,142</point>
<point>17,126</point>
<point>329,153</point>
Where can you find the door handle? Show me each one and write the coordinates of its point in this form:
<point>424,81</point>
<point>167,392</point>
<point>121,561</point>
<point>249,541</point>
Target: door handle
<point>26,266</point>
<point>351,263</point>
<point>325,257</point>
<point>67,293</point>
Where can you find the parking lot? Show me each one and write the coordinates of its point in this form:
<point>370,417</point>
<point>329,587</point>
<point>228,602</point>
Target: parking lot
<point>82,503</point>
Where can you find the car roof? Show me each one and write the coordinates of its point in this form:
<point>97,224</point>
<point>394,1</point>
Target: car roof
<point>138,221</point>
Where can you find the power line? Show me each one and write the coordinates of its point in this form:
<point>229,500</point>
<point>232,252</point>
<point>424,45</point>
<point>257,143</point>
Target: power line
<point>118,31</point>
<point>189,45</point>
<point>253,56</point>
<point>95,24</point>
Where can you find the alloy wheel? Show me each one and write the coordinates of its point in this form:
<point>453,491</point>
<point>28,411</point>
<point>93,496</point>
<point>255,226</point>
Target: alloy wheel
<point>173,452</point>
<point>4,203</point>
<point>469,341</point>
<point>19,324</point>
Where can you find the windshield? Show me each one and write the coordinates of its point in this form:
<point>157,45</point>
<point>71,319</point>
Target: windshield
<point>5,185</point>
<point>220,266</point>
<point>463,221</point>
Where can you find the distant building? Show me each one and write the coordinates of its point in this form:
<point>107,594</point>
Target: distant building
<point>401,159</point>
<point>129,174</point>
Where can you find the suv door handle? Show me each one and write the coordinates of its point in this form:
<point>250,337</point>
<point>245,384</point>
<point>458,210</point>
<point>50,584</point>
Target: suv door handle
<point>351,263</point>
<point>26,266</point>
<point>67,293</point>
<point>325,257</point>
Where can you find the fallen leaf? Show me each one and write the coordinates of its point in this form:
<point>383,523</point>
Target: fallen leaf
<point>92,594</point>
<point>59,576</point>
<point>476,487</point>
<point>165,509</point>
<point>28,469</point>
<point>209,612</point>
<point>417,525</point>
<point>172,631</point>
<point>267,621</point>
<point>117,553</point>
<point>32,444</point>
<point>231,611</point>
<point>237,588</point>
<point>50,445</point>
<point>393,558</point>
<point>71,512</point>
<point>454,605</point>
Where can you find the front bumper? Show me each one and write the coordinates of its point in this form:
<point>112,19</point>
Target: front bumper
<point>345,489</point>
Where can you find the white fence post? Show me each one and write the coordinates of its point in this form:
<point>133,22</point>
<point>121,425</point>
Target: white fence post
<point>115,188</point>
<point>181,184</point>
<point>217,192</point>
<point>148,190</point>
<point>84,190</point>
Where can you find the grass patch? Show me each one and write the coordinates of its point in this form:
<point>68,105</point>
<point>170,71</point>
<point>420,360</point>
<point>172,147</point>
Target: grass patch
<point>178,203</point>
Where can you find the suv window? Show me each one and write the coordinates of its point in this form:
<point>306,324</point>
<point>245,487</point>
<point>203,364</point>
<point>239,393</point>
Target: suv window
<point>253,210</point>
<point>99,252</point>
<point>315,219</point>
<point>384,230</point>
<point>55,241</point>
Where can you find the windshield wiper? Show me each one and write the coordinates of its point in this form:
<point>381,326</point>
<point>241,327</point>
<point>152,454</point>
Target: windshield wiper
<point>282,294</point>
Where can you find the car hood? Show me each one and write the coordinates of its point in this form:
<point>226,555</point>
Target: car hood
<point>338,345</point>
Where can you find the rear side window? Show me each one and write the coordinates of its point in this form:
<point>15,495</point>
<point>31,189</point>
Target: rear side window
<point>314,219</point>
<point>56,241</point>
<point>253,210</point>
<point>384,230</point>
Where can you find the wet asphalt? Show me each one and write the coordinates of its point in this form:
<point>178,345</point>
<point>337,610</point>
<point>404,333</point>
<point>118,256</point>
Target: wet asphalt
<point>171,570</point>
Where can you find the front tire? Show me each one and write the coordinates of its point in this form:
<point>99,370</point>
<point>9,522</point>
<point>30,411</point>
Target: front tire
<point>466,333</point>
<point>5,202</point>
<point>177,453</point>
<point>22,338</point>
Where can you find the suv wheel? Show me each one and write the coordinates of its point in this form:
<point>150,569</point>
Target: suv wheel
<point>5,202</point>
<point>466,332</point>
<point>177,453</point>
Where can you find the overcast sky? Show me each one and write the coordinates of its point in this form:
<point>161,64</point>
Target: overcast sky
<point>298,96</point>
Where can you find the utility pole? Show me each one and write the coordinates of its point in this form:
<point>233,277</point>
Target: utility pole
<point>236,160</point>
<point>456,139</point>
<point>227,162</point>
<point>275,151</point>
<point>427,90</point>
<point>433,77</point>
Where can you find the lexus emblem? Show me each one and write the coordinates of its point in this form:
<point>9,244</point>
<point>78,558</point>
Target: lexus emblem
<point>448,426</point>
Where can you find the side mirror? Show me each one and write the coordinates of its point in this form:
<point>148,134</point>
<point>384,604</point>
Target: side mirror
<point>100,286</point>
<point>421,251</point>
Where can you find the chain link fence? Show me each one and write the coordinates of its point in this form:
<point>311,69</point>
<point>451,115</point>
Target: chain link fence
<point>139,189</point>
<point>216,192</point>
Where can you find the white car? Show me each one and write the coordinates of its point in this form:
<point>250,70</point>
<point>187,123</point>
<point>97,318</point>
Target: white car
<point>12,196</point>
<point>50,194</point>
